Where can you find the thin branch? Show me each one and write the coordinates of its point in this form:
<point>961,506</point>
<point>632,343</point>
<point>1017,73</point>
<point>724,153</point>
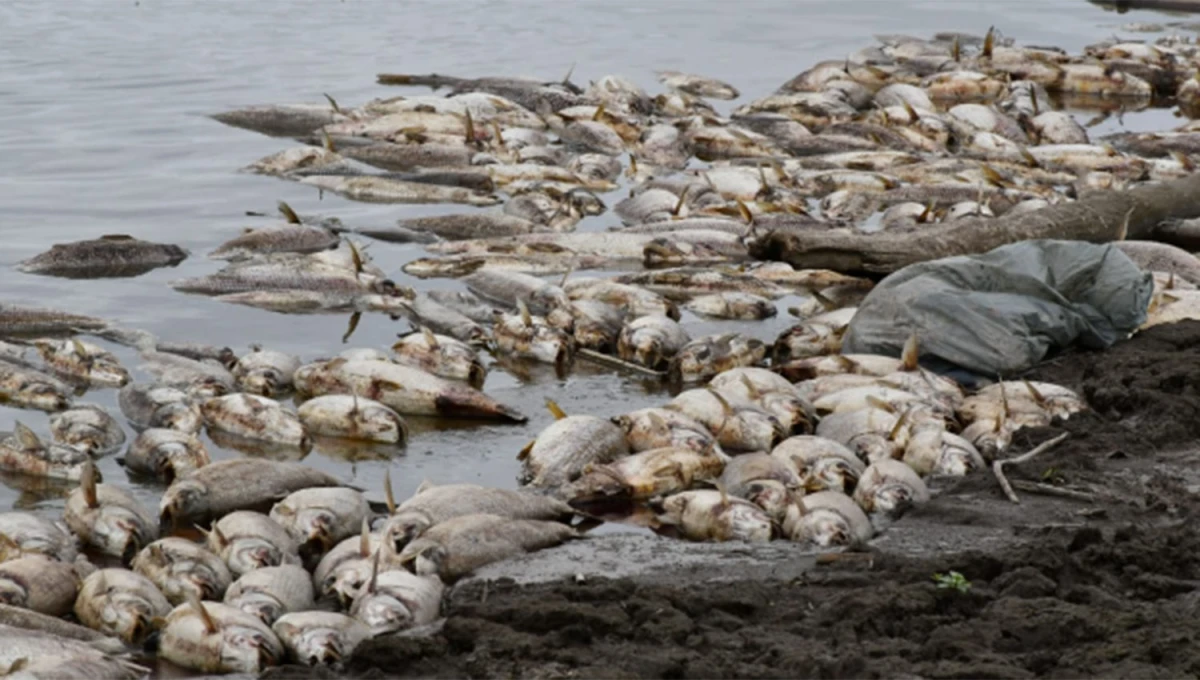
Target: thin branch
<point>998,466</point>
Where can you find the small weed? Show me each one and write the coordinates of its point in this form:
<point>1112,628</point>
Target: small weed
<point>953,580</point>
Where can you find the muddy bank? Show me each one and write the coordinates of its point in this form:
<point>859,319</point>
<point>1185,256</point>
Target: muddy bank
<point>1105,582</point>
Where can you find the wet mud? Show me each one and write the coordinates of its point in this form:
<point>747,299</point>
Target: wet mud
<point>1095,573</point>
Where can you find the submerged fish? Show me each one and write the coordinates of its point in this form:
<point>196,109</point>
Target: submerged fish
<point>114,255</point>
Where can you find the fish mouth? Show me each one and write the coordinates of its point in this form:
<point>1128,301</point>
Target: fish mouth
<point>476,375</point>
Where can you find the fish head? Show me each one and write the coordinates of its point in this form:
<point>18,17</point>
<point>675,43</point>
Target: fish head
<point>248,554</point>
<point>317,526</point>
<point>562,319</point>
<point>956,462</point>
<point>12,592</point>
<point>44,397</point>
<point>303,377</point>
<point>180,416</point>
<point>260,605</point>
<point>107,373</point>
<point>823,528</point>
<point>319,646</point>
<point>405,527</point>
<point>348,580</point>
<point>770,495</point>
<point>551,346</point>
<point>832,473</point>
<point>382,613</point>
<point>247,650</point>
<point>265,382</point>
<point>586,202</point>
<point>870,447</point>
<point>199,579</point>
<point>186,499</point>
<point>206,387</point>
<point>120,532</point>
<point>892,499</point>
<point>692,361</point>
<point>126,616</point>
<point>755,430</point>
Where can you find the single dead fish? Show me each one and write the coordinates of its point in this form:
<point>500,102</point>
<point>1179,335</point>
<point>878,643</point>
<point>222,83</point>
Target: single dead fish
<point>821,464</point>
<point>270,592</point>
<point>83,361</point>
<point>215,638</point>
<point>352,417</point>
<point>320,638</point>
<point>256,418</point>
<point>737,425</point>
<point>732,306</point>
<point>715,516</point>
<point>699,86</point>
<point>397,600</point>
<point>889,487</point>
<point>652,341</point>
<point>827,518</point>
<point>291,238</point>
<point>440,355</point>
<point>24,533</point>
<point>165,455</point>
<point>38,583</point>
<point>238,484</point>
<point>644,475</point>
<point>524,336</point>
<point>569,444</point>
<point>251,540</point>
<point>463,544</point>
<point>182,569</point>
<point>703,358</point>
<point>108,518</point>
<point>155,406</point>
<point>656,428</point>
<point>22,386</point>
<point>23,452</point>
<point>120,603</point>
<point>386,190</point>
<point>19,320</point>
<point>116,255</point>
<point>87,427</point>
<point>320,518</point>
<point>265,372</point>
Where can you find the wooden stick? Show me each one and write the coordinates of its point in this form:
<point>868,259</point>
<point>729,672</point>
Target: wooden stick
<point>998,466</point>
<point>614,362</point>
<point>1049,490</point>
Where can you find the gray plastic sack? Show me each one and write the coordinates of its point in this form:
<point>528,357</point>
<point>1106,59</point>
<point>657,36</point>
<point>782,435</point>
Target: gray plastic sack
<point>1001,312</point>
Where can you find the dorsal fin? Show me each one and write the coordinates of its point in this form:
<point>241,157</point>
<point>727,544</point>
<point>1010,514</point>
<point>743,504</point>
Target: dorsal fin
<point>910,356</point>
<point>87,483</point>
<point>1124,232</point>
<point>332,103</point>
<point>598,116</point>
<point>1035,393</point>
<point>327,142</point>
<point>210,625</point>
<point>724,495</point>
<point>726,408</point>
<point>26,438</point>
<point>388,494</point>
<point>989,43</point>
<point>680,203</point>
<point>426,485</point>
<point>956,50</point>
<point>430,338</point>
<point>895,432</point>
<point>880,404</point>
<point>351,325</point>
<point>523,310</point>
<point>657,421</point>
<point>753,391</point>
<point>1003,408</point>
<point>744,211</point>
<point>364,538</point>
<point>288,214</point>
<point>374,573</point>
<point>469,125</point>
<point>498,134</point>
<point>222,539</point>
<point>555,410</point>
<point>1170,282</point>
<point>633,168</point>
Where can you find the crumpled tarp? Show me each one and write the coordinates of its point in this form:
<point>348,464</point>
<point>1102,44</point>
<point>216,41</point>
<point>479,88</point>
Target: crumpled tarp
<point>1001,312</point>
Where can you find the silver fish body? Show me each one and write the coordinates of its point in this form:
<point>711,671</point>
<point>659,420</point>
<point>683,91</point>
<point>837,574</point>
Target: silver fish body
<point>234,641</point>
<point>713,516</point>
<point>351,417</point>
<point>120,603</point>
<point>88,428</point>
<point>319,518</point>
<point>256,418</point>
<point>271,592</point>
<point>222,487</point>
<point>265,373</point>
<point>25,453</point>
<point>442,356</point>
<point>39,583</point>
<point>732,306</point>
<point>42,654</point>
<point>24,533</point>
<point>82,361</point>
<point>111,255</point>
<point>463,544</point>
<point>652,341</point>
<point>738,426</point>
<point>821,464</point>
<point>148,406</point>
<point>320,638</point>
<point>291,238</point>
<point>827,518</point>
<point>251,540</point>
<point>165,455</point>
<point>705,357</point>
<point>656,428</point>
<point>109,519</point>
<point>397,600</point>
<point>566,446</point>
<point>181,569</point>
<point>890,487</point>
<point>524,336</point>
<point>24,387</point>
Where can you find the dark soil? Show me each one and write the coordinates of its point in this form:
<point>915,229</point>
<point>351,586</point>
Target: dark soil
<point>1114,591</point>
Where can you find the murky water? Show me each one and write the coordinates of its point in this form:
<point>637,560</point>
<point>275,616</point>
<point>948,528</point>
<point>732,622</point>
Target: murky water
<point>103,130</point>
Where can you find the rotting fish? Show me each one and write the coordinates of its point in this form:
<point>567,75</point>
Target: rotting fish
<point>405,389</point>
<point>87,427</point>
<point>155,406</point>
<point>440,317</point>
<point>397,600</point>
<point>463,544</point>
<point>265,372</point>
<point>108,518</point>
<point>41,584</point>
<point>211,637</point>
<point>827,518</point>
<point>291,238</point>
<point>32,653</point>
<point>815,336</point>
<point>318,638</point>
<point>525,336</point>
<point>569,444</point>
<point>288,120</point>
<point>352,417</point>
<point>685,283</point>
<point>441,356</point>
<point>652,341</point>
<point>19,320</point>
<point>699,86</point>
<point>705,357</point>
<point>291,163</point>
<point>643,475</point>
<point>656,428</point>
<point>507,288</point>
<point>270,592</point>
<point>466,304</point>
<point>732,306</point>
<point>318,519</point>
<point>238,484</point>
<point>343,571</point>
<point>373,189</point>
<point>890,487</point>
<point>738,426</point>
<point>23,452</point>
<point>870,433</point>
<point>464,226</point>
<point>633,300</point>
<point>766,481</point>
<point>25,387</point>
<point>120,603</point>
<point>182,569</point>
<point>821,464</point>
<point>165,455</point>
<point>256,418</point>
<point>251,540</point>
<point>114,255</point>
<point>82,360</point>
<point>707,515</point>
<point>24,533</point>
<point>30,621</point>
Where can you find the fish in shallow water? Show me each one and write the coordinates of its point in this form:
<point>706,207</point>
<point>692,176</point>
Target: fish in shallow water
<point>23,386</point>
<point>291,238</point>
<point>318,638</point>
<point>732,306</point>
<point>120,603</point>
<point>707,515</point>
<point>265,372</point>
<point>440,355</point>
<point>211,637</point>
<point>87,427</point>
<point>281,120</point>
<point>108,518</point>
<point>522,335</point>
<point>352,417</point>
<point>255,418</point>
<point>319,518</point>
<point>652,341</point>
<point>251,540</point>
<point>19,320</point>
<point>182,569</point>
<point>700,86</point>
<point>463,544</point>
<point>708,356</point>
<point>656,428</point>
<point>165,455</point>
<point>271,592</point>
<point>737,425</point>
<point>25,453</point>
<point>83,361</point>
<point>150,406</point>
<point>24,533</point>
<point>386,190</point>
<point>567,446</point>
<point>114,255</point>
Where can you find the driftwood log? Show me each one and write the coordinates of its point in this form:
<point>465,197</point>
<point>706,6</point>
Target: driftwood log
<point>1148,212</point>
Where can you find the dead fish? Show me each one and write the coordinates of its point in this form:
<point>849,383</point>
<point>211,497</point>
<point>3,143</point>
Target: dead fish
<point>770,392</point>
<point>82,360</point>
<point>405,389</point>
<point>644,475</point>
<point>265,372</point>
<point>930,449</point>
<point>25,387</point>
<point>397,600</point>
<point>890,487</point>
<point>24,533</point>
<point>19,320</point>
<point>344,571</point>
<point>766,481</point>
<point>707,515</point>
<point>652,341</point>
<point>182,569</point>
<point>251,540</point>
<point>23,452</point>
<point>448,319</point>
<point>270,592</point>
<point>1161,257</point>
<point>463,544</point>
<point>633,300</point>
<point>434,504</point>
<point>154,406</point>
<point>211,637</point>
<point>705,357</point>
<point>351,417</point>
<point>241,483</point>
<point>525,336</point>
<point>320,518</point>
<point>827,518</point>
<point>507,288</point>
<point>39,583</point>
<point>373,189</point>
<point>732,306</point>
<point>738,426</point>
<point>257,418</point>
<point>870,433</point>
<point>597,325</point>
<point>464,303</point>
<point>466,226</point>
<point>688,282</point>
<point>165,455</point>
<point>113,255</point>
<point>821,464</point>
<point>120,603</point>
<point>292,163</point>
<point>699,86</point>
<point>441,356</point>
<point>288,120</point>
<point>657,428</point>
<point>873,395</point>
<point>87,427</point>
<point>108,518</point>
<point>567,446</point>
<point>816,336</point>
<point>290,238</point>
<point>207,378</point>
<point>37,653</point>
<point>320,638</point>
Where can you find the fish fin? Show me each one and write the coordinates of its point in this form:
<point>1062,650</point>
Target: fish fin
<point>1170,282</point>
<point>911,353</point>
<point>989,43</point>
<point>327,142</point>
<point>825,301</point>
<point>1124,232</point>
<point>469,125</point>
<point>1028,157</point>
<point>598,116</point>
<point>680,203</point>
<point>880,404</point>
<point>523,310</point>
<point>633,167</point>
<point>567,78</point>
<point>524,453</point>
<point>744,212</point>
<point>26,437</point>
<point>87,484</point>
<point>895,431</point>
<point>288,214</point>
<point>351,326</point>
<point>429,337</point>
<point>992,176</point>
<point>332,103</point>
<point>1035,393</point>
<point>498,134</point>
<point>17,666</point>
<point>555,410</point>
<point>371,585</point>
<point>928,214</point>
<point>724,494</point>
<point>425,486</point>
<point>754,393</point>
<point>364,538</point>
<point>956,50</point>
<point>222,539</point>
<point>210,625</point>
<point>570,270</point>
<point>356,257</point>
<point>388,493</point>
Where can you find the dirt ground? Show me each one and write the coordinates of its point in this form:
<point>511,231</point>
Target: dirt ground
<point>1103,583</point>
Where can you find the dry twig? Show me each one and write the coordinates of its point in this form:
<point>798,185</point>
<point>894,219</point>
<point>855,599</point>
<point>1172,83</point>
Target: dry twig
<point>998,466</point>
